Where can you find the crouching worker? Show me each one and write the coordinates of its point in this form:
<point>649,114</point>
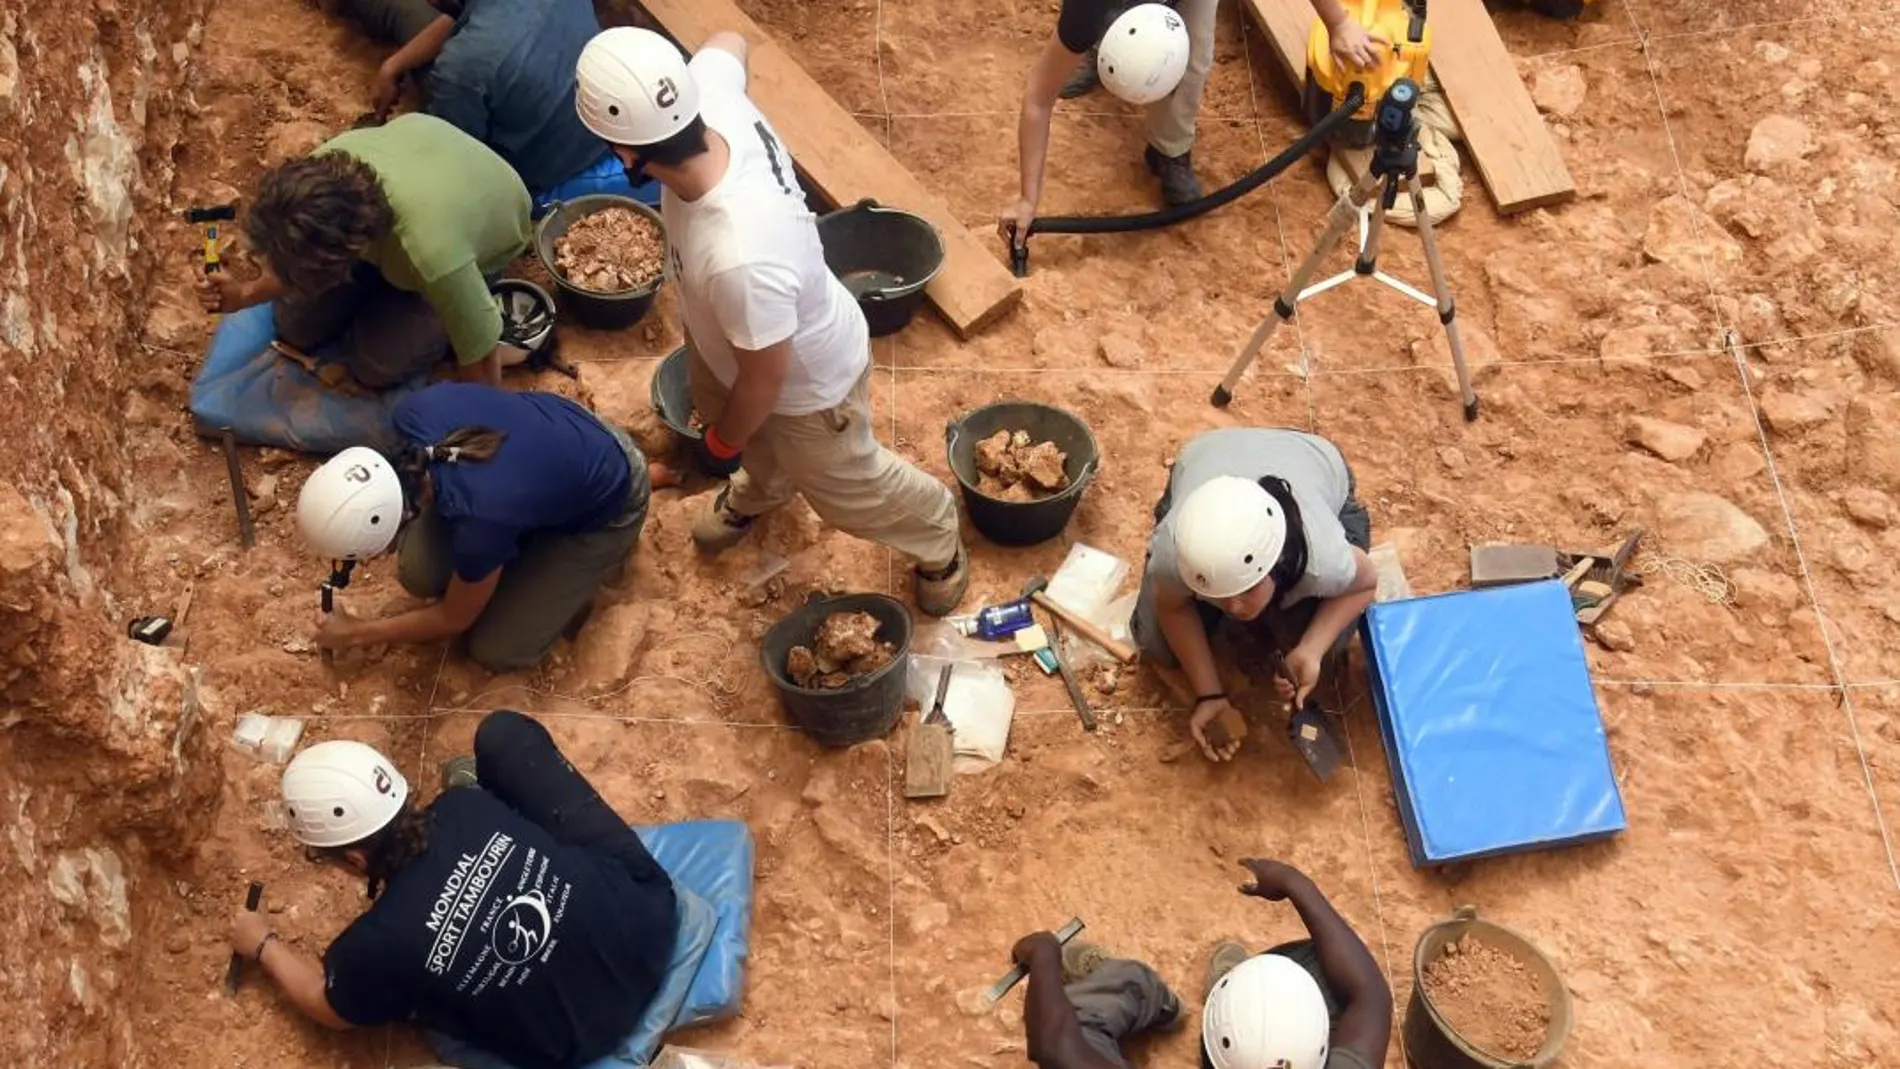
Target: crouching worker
<point>1259,526</point>
<point>382,241</point>
<point>520,506</point>
<point>517,918</point>
<point>1320,1003</point>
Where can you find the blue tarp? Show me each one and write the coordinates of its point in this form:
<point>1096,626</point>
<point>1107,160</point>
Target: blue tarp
<point>265,398</point>
<point>1490,721</point>
<point>605,176</point>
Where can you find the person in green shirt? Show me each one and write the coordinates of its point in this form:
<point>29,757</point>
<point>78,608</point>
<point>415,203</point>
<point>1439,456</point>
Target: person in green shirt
<point>382,241</point>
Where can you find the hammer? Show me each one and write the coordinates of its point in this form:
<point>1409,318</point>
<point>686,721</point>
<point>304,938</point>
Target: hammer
<point>210,217</point>
<point>1033,590</point>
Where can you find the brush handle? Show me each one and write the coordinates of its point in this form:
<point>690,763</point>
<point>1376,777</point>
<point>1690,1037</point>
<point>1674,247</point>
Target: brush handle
<point>251,899</point>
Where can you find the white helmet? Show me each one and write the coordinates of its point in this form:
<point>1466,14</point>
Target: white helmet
<point>634,87</point>
<point>350,508</point>
<point>1143,54</point>
<point>1227,536</point>
<point>1266,1013</point>
<point>341,792</point>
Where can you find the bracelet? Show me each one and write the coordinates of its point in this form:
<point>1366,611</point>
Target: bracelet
<point>258,956</point>
<point>1203,699</point>
<point>718,446</point>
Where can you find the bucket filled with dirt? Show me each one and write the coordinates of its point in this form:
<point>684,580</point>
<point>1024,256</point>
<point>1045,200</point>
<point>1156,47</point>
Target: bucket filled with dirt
<point>1483,997</point>
<point>1023,467</point>
<point>607,254</point>
<point>838,664</point>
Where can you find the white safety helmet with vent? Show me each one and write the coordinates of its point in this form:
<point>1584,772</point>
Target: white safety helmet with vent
<point>350,507</point>
<point>1227,536</point>
<point>341,792</point>
<point>634,87</point>
<point>1266,1013</point>
<point>1144,53</point>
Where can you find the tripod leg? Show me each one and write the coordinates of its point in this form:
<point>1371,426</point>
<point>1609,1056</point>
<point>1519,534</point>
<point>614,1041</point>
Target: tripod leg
<point>1368,261</point>
<point>1447,308</point>
<point>1344,215</point>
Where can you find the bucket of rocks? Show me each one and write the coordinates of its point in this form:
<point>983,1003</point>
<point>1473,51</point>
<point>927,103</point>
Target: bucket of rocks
<point>1023,467</point>
<point>607,254</point>
<point>838,664</point>
<point>1483,997</point>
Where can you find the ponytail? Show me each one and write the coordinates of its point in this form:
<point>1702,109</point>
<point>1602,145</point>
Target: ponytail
<point>1291,567</point>
<point>464,445</point>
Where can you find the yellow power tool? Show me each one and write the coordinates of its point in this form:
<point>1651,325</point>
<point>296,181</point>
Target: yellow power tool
<point>1407,54</point>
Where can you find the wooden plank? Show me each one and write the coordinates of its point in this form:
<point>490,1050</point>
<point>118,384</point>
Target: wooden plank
<point>846,164</point>
<point>1516,155</point>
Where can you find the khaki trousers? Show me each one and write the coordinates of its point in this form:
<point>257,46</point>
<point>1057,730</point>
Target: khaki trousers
<point>1171,119</point>
<point>849,479</point>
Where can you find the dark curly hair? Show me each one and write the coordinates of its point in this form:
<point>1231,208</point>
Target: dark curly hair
<point>314,217</point>
<point>393,846</point>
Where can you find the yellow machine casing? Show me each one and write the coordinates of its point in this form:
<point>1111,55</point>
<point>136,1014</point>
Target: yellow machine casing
<point>1407,56</point>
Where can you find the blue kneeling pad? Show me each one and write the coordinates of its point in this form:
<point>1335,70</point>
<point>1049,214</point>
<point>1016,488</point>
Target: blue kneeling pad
<point>1490,722</point>
<point>712,859</point>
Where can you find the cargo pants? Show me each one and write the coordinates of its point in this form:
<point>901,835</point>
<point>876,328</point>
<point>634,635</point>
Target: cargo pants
<point>850,479</point>
<point>1171,119</point>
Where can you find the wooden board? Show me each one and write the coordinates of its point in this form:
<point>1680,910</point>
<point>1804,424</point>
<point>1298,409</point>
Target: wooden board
<point>1516,156</point>
<point>846,164</point>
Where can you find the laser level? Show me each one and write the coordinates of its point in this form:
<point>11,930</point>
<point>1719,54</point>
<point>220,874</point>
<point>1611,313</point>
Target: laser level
<point>1407,56</point>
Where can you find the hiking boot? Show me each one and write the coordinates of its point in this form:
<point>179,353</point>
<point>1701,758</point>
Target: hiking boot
<point>1178,184</point>
<point>1080,959</point>
<point>719,528</point>
<point>1227,954</point>
<point>459,772</point>
<point>1084,81</point>
<point>940,590</point>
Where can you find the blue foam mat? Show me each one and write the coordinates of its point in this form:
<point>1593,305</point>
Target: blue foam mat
<point>712,858</point>
<point>1491,725</point>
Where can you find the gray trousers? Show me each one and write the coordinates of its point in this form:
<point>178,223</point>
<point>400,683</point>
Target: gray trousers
<point>392,22</point>
<point>385,336</point>
<point>1119,1000</point>
<point>544,589</point>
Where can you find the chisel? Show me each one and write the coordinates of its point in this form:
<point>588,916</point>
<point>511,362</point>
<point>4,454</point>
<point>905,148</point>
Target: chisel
<point>1015,975</point>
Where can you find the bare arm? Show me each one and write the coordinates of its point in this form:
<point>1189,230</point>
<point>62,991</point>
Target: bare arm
<point>1338,613</point>
<point>1052,69</point>
<point>1052,1030</point>
<point>1330,12</point>
<point>455,612</point>
<point>731,43</point>
<point>301,980</point>
<point>755,391</point>
<point>1187,636</point>
<point>486,371</point>
<point>421,49</point>
<point>1365,1024</point>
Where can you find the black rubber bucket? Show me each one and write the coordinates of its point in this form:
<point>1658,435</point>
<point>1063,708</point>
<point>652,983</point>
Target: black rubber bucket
<point>1022,523</point>
<point>885,257</point>
<point>864,709</point>
<point>602,311</point>
<point>1430,1040</point>
<point>672,394</point>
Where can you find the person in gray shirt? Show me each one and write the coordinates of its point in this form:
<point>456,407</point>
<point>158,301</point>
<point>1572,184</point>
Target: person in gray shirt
<point>1261,526</point>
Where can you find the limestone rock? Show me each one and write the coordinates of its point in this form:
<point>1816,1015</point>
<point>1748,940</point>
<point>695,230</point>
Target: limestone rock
<point>1792,413</point>
<point>1559,89</point>
<point>1873,449</point>
<point>1120,351</point>
<point>1671,441</point>
<point>1868,507</point>
<point>1481,353</point>
<point>1770,591</point>
<point>1683,375</point>
<point>1878,353</point>
<point>1739,461</point>
<point>1061,345</point>
<point>1683,236</point>
<point>1704,527</point>
<point>1778,142</point>
<point>1614,635</point>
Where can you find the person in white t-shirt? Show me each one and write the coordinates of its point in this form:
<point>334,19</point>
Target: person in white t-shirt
<point>781,355</point>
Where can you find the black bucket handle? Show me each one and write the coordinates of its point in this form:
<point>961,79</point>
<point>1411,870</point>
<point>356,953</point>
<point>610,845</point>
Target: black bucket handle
<point>953,433</point>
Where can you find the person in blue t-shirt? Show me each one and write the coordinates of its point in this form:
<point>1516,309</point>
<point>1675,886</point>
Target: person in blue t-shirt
<point>516,914</point>
<point>502,71</point>
<point>519,506</point>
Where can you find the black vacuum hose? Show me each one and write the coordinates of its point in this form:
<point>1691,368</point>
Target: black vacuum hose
<point>1239,187</point>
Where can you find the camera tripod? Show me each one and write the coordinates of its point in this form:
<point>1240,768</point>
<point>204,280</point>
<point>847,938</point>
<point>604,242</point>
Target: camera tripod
<point>1394,163</point>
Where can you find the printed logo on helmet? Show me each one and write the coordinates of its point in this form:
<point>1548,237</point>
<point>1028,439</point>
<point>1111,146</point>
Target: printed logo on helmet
<point>1170,21</point>
<point>667,94</point>
<point>383,784</point>
<point>356,473</point>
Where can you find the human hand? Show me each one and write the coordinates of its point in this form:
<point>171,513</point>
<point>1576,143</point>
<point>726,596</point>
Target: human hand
<point>336,629</point>
<point>385,88</point>
<point>1033,944</point>
<point>1215,741</point>
<point>1012,225</point>
<point>1272,880</point>
<point>1302,666</point>
<point>221,293</point>
<point>248,929</point>
<point>715,456</point>
<point>1354,46</point>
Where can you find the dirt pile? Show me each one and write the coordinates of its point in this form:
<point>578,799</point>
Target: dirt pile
<point>1010,466</point>
<point>615,250</point>
<point>1489,998</point>
<point>845,648</point>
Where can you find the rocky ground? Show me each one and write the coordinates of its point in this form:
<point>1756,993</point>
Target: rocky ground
<point>1703,344</point>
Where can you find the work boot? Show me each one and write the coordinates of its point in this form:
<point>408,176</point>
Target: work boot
<point>1227,954</point>
<point>1080,959</point>
<point>940,590</point>
<point>459,772</point>
<point>1178,184</point>
<point>719,528</point>
<point>1084,81</point>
